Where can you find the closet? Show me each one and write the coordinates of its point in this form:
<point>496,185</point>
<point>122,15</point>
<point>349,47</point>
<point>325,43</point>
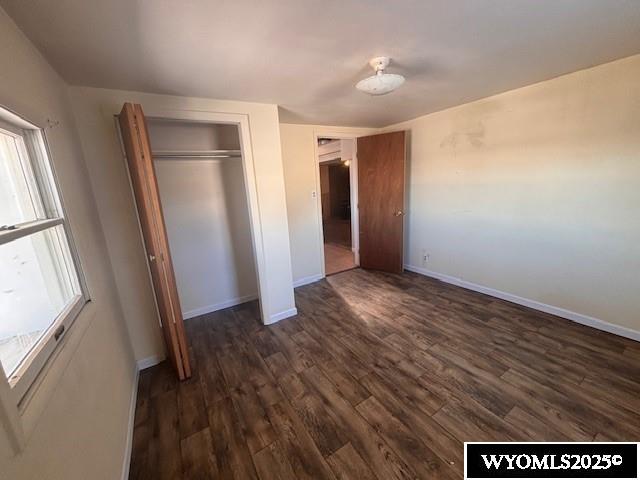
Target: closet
<point>199,172</point>
<point>188,182</point>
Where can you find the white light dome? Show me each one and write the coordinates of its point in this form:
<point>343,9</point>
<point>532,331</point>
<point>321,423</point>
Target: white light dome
<point>381,82</point>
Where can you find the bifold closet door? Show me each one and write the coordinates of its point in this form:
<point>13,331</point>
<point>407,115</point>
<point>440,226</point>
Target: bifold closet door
<point>381,160</point>
<point>145,188</point>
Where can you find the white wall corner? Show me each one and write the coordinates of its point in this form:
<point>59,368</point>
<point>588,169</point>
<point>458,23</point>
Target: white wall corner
<point>543,307</point>
<point>282,315</point>
<point>132,415</point>
<point>307,280</point>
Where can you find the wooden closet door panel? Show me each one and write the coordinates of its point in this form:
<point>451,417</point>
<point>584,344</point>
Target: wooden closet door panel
<point>166,260</point>
<point>145,188</point>
<point>381,174</point>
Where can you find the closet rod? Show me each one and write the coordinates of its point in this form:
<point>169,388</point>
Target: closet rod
<point>196,156</point>
<point>203,154</point>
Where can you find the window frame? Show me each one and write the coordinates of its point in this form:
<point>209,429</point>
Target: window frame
<point>37,156</point>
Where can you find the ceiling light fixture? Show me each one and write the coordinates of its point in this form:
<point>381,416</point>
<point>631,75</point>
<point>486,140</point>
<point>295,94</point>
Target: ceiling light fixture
<point>380,83</point>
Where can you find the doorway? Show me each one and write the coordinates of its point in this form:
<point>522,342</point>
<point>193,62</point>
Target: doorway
<point>142,160</point>
<point>336,163</point>
<point>198,168</point>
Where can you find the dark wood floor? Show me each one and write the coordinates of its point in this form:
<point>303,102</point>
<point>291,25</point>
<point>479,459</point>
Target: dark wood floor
<point>379,376</point>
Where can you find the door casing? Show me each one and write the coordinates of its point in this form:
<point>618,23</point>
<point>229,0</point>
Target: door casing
<point>248,168</point>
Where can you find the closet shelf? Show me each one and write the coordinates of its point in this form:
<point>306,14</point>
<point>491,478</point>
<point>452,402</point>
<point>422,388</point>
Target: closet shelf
<point>197,154</point>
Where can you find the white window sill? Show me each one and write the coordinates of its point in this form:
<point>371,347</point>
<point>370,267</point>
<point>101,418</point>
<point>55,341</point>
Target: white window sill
<point>20,420</point>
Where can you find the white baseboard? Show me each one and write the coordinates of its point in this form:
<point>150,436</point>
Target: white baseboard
<point>543,307</point>
<point>282,315</point>
<point>132,415</point>
<point>218,306</point>
<point>149,361</point>
<point>307,280</point>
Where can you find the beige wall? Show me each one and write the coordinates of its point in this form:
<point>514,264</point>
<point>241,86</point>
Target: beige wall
<point>303,209</point>
<point>536,192</point>
<point>204,203</point>
<point>76,422</point>
<point>207,218</point>
<point>95,110</point>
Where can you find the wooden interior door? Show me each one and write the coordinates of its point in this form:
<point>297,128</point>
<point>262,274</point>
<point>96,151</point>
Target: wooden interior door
<point>381,160</point>
<point>145,188</point>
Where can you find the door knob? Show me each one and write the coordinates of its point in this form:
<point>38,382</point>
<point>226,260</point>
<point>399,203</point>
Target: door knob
<point>152,258</point>
<point>398,213</point>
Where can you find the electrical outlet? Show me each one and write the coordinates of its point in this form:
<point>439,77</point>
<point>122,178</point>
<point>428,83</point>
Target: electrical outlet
<point>425,258</point>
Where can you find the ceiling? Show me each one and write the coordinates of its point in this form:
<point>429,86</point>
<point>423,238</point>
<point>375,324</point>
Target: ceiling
<point>306,55</point>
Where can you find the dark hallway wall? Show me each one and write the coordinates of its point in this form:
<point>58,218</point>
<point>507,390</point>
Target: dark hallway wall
<point>336,203</point>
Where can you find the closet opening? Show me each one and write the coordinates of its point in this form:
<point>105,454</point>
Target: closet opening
<point>202,192</point>
<point>338,194</point>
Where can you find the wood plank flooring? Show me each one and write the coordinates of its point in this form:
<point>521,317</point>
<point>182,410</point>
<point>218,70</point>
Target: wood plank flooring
<point>379,377</point>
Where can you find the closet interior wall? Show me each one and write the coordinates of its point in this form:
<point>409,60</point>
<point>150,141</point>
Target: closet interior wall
<point>206,213</point>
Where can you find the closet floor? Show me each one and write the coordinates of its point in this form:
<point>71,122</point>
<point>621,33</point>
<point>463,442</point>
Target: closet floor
<point>379,376</point>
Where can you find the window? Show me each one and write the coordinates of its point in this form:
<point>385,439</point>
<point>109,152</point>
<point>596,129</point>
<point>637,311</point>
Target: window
<point>41,287</point>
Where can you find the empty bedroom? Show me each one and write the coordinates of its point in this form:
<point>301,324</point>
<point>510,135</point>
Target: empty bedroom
<point>319,240</point>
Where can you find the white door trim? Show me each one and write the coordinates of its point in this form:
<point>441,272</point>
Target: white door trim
<point>248,168</point>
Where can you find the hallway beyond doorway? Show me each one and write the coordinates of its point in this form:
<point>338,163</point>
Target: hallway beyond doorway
<point>337,258</point>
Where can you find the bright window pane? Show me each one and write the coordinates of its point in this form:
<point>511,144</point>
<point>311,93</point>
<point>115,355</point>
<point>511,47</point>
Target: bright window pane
<point>19,201</point>
<point>38,281</point>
